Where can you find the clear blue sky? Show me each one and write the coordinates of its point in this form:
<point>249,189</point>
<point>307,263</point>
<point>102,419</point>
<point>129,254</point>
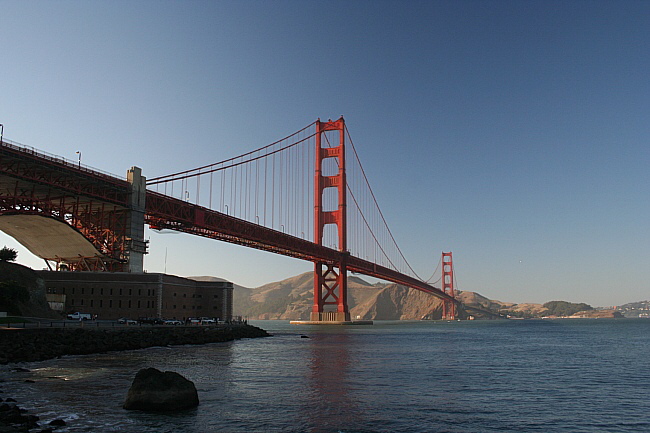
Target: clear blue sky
<point>513,133</point>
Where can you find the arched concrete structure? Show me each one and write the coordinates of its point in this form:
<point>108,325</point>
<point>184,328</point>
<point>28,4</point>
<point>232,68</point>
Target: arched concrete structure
<point>49,238</point>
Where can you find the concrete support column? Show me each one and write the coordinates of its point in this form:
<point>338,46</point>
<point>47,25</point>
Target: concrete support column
<point>137,246</point>
<point>226,313</point>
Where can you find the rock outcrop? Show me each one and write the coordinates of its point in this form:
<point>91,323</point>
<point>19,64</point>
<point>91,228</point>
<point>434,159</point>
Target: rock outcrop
<point>14,419</point>
<point>156,391</point>
<point>22,292</point>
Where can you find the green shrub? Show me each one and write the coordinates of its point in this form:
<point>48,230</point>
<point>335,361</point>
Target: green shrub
<point>8,255</point>
<point>12,294</point>
<point>564,308</point>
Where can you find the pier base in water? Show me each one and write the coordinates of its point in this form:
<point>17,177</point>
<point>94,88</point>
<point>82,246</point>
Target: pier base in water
<point>331,322</point>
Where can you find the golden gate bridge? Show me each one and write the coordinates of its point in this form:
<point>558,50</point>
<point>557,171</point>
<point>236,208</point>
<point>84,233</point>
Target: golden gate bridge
<point>305,196</point>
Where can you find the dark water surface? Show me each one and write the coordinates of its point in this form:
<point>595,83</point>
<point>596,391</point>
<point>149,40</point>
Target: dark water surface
<point>505,376</point>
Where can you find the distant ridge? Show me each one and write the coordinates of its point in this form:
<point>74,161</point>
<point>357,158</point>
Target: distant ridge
<point>292,299</point>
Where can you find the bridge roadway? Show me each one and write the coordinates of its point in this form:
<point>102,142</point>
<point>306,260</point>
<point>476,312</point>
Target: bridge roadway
<point>164,212</point>
<point>30,181</point>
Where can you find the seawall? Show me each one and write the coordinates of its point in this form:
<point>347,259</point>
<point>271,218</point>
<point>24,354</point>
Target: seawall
<point>26,345</point>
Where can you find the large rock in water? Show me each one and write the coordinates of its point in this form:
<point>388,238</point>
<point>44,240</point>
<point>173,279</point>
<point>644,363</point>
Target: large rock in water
<point>155,391</point>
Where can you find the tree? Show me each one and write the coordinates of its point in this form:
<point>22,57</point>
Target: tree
<point>8,255</point>
<point>564,308</point>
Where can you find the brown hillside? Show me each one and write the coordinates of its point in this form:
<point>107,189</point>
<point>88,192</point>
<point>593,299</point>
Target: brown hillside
<point>292,299</point>
<point>472,299</point>
<point>399,303</point>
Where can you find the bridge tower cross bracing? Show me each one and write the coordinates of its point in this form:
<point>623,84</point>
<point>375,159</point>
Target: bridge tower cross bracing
<point>448,306</point>
<point>330,279</point>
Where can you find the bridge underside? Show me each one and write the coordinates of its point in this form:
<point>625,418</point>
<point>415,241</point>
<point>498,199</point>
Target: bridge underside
<point>95,205</point>
<point>52,240</point>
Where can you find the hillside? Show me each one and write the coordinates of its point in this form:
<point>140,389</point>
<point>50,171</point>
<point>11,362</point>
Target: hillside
<point>22,292</point>
<point>396,302</point>
<point>635,309</point>
<point>526,310</point>
<point>292,299</point>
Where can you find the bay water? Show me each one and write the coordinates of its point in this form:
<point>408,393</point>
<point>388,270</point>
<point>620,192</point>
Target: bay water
<point>576,375</point>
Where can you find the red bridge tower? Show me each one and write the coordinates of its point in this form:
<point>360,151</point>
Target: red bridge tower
<point>330,279</point>
<point>448,306</point>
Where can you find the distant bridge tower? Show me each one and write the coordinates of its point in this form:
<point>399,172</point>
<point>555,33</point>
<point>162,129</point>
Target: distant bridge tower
<point>448,306</point>
<point>330,279</point>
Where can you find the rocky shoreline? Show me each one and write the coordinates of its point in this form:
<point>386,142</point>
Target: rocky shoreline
<point>28,345</point>
<point>14,419</point>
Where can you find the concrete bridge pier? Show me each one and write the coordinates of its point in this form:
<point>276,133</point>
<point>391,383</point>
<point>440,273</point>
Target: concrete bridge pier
<point>136,244</point>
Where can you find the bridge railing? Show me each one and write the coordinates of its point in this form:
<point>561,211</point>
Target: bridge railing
<point>59,160</point>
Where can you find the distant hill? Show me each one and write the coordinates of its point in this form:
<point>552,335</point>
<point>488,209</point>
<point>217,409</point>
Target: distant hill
<point>292,299</point>
<point>635,309</point>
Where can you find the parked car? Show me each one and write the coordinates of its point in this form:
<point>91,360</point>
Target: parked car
<point>207,321</point>
<point>172,322</point>
<point>125,321</point>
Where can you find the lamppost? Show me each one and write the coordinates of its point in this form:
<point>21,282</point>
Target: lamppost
<point>2,130</point>
<point>78,152</point>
